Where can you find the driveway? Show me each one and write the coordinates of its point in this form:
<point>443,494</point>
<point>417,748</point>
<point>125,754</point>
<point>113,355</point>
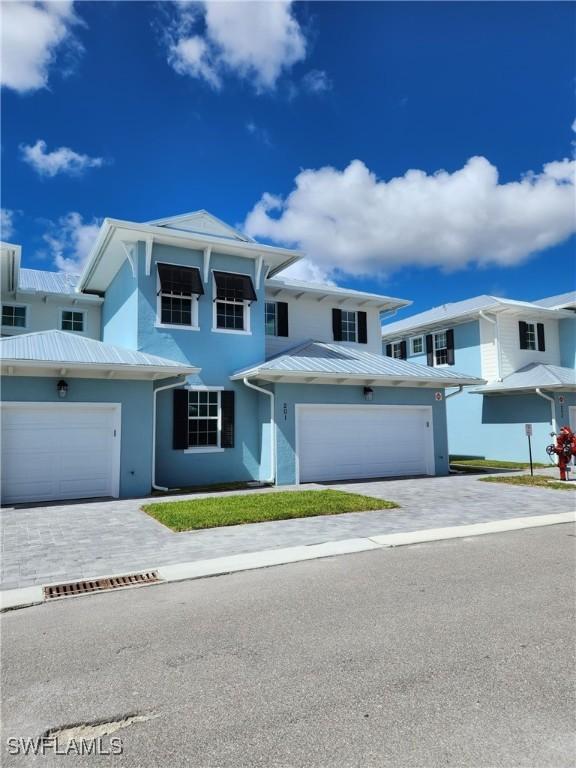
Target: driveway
<point>70,542</point>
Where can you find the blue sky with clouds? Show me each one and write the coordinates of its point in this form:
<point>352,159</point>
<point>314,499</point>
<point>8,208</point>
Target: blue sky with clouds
<point>403,146</point>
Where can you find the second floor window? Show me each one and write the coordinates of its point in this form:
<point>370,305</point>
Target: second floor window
<point>349,332</point>
<point>276,318</point>
<point>234,294</point>
<point>440,348</point>
<point>72,321</point>
<point>178,295</point>
<point>397,350</point>
<point>532,336</point>
<point>13,316</point>
<point>417,345</point>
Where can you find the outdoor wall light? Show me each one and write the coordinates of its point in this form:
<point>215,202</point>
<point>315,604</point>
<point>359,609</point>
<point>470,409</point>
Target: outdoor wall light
<point>368,393</point>
<point>62,388</point>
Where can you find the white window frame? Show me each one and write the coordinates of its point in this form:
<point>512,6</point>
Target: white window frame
<point>193,297</point>
<point>246,331</point>
<point>414,339</point>
<point>531,329</point>
<point>15,304</point>
<point>76,311</point>
<point>275,303</point>
<point>350,312</point>
<point>207,448</point>
<point>436,349</point>
<point>396,350</point>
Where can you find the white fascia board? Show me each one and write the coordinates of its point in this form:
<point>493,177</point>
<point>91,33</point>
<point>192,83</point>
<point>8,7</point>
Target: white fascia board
<point>83,298</point>
<point>183,370</point>
<point>284,256</point>
<point>370,299</point>
<point>378,379</point>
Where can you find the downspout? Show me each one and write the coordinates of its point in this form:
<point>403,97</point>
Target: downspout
<point>552,408</point>
<point>457,392</point>
<point>272,478</point>
<point>159,389</point>
<point>494,322</point>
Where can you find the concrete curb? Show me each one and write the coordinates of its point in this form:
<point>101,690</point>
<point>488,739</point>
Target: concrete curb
<point>26,596</point>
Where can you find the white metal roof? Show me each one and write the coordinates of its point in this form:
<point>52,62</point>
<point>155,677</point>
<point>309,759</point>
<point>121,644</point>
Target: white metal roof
<point>69,351</point>
<point>318,360</point>
<point>560,301</point>
<point>461,310</point>
<point>42,281</point>
<point>532,376</point>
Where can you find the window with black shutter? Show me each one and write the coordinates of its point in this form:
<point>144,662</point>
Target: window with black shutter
<point>233,295</point>
<point>178,291</point>
<point>276,318</point>
<point>362,328</point>
<point>450,346</point>
<point>429,349</point>
<point>337,324</point>
<point>397,350</point>
<point>541,339</point>
<point>528,335</point>
<point>203,419</point>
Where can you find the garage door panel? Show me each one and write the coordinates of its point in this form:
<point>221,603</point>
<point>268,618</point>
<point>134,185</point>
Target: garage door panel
<point>52,452</point>
<point>351,442</point>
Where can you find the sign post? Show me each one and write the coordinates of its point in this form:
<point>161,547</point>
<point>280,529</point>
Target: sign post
<point>528,430</point>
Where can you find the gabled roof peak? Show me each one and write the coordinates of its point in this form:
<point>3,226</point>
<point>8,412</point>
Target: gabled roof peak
<point>202,222</point>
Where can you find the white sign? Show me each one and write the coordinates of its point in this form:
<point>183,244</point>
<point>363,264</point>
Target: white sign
<point>437,395</point>
<point>528,428</point>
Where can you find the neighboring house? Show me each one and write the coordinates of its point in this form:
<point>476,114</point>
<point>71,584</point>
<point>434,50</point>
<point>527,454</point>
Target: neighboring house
<point>524,350</point>
<point>207,367</point>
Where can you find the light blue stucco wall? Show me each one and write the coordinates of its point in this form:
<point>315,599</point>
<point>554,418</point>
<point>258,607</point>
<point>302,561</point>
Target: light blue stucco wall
<point>567,334</point>
<point>120,310</point>
<point>288,395</point>
<point>135,397</point>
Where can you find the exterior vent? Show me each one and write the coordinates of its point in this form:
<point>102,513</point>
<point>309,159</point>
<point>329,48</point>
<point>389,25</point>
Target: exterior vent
<point>100,585</point>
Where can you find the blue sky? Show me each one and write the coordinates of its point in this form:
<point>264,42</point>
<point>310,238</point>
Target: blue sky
<point>164,109</point>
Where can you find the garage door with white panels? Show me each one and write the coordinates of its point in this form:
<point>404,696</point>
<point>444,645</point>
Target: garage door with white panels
<point>346,442</point>
<point>60,451</point>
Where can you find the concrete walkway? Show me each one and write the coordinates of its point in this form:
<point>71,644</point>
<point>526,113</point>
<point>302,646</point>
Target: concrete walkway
<point>76,541</point>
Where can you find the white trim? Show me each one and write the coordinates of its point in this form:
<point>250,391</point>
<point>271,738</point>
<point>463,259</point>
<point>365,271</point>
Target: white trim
<point>273,455</point>
<point>231,330</point>
<point>149,241</point>
<point>203,388</point>
<point>207,255</point>
<point>82,312</point>
<point>130,251</point>
<point>259,262</point>
<point>205,449</point>
<point>26,316</point>
<point>116,409</point>
<point>299,407</point>
<point>246,330</point>
<point>177,327</point>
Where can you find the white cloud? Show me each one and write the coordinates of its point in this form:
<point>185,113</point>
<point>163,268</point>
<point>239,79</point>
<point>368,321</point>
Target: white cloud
<point>316,81</point>
<point>6,223</point>
<point>70,240</point>
<point>61,160</point>
<point>353,222</point>
<point>256,41</point>
<point>258,132</point>
<point>32,33</point>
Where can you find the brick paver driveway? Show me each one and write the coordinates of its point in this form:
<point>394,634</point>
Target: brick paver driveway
<point>97,538</point>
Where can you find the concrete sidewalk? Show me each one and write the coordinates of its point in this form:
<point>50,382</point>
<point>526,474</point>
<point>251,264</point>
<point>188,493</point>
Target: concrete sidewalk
<point>70,542</point>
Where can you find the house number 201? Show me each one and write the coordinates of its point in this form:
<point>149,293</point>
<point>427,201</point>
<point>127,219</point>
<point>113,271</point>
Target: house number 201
<point>285,411</point>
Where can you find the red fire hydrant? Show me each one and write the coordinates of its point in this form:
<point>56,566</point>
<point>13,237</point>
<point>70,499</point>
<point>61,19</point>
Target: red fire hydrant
<point>564,448</point>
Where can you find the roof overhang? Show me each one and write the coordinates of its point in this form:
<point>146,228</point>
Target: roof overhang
<point>19,367</point>
<point>495,390</point>
<point>365,379</point>
<point>115,235</point>
<point>336,295</point>
<point>528,310</point>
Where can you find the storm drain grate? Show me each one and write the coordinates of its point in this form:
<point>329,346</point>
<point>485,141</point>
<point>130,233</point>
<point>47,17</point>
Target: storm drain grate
<point>100,585</point>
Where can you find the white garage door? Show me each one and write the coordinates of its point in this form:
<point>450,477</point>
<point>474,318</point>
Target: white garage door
<point>59,451</point>
<point>344,442</point>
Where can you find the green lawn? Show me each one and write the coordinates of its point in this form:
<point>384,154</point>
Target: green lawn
<point>538,481</point>
<point>214,512</point>
<point>495,463</point>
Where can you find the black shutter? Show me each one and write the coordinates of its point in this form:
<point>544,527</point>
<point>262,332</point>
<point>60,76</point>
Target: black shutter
<point>403,350</point>
<point>540,332</point>
<point>337,324</point>
<point>282,318</point>
<point>180,420</point>
<point>523,332</point>
<point>389,350</point>
<point>227,403</point>
<point>450,346</point>
<point>362,328</point>
<point>429,349</point>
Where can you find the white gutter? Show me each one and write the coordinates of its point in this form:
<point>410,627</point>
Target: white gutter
<point>458,392</point>
<point>267,392</point>
<point>159,389</point>
<point>552,408</point>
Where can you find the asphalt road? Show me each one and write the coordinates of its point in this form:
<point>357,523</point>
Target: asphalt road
<point>451,654</point>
